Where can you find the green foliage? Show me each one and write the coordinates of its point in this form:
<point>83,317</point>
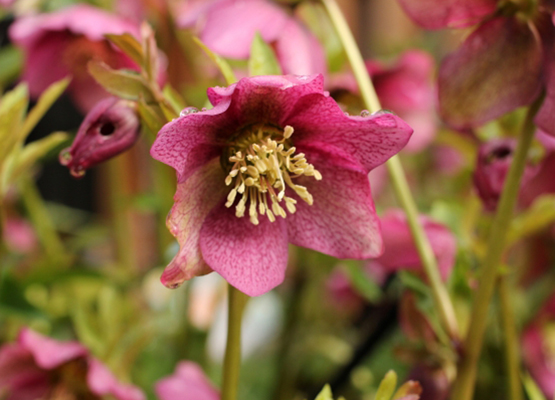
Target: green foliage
<point>263,60</point>
<point>222,65</point>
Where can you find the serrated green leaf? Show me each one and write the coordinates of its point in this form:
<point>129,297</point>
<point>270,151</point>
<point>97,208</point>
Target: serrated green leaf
<point>13,107</point>
<point>11,60</point>
<point>122,83</point>
<point>223,66</point>
<point>129,45</point>
<point>263,60</point>
<point>325,394</point>
<point>387,386</point>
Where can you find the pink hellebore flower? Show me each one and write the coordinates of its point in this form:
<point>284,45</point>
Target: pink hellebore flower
<point>61,43</point>
<point>407,89</point>
<point>400,251</point>
<point>280,151</point>
<point>503,64</point>
<point>110,128</point>
<point>538,348</point>
<point>187,383</point>
<point>228,28</point>
<point>37,367</point>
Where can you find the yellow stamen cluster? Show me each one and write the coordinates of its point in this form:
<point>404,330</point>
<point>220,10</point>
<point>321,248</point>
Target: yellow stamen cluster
<point>263,164</point>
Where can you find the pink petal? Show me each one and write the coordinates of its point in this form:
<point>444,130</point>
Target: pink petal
<point>342,221</point>
<point>298,51</point>
<point>102,383</point>
<point>400,251</point>
<point>194,200</point>
<point>497,69</point>
<point>370,140</point>
<point>19,374</point>
<point>187,383</point>
<point>230,26</point>
<point>49,353</point>
<point>437,14</point>
<point>250,257</point>
<point>545,119</point>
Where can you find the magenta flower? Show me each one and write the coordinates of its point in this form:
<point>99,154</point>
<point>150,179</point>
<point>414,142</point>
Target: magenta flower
<point>400,251</point>
<point>61,43</point>
<point>503,64</point>
<point>110,128</point>
<point>275,161</point>
<point>538,348</point>
<point>228,28</point>
<point>407,89</point>
<point>37,367</point>
<point>187,383</point>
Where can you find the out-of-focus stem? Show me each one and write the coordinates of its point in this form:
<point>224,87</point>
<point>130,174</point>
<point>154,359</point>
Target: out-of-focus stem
<point>441,298</point>
<point>512,355</point>
<point>232,361</point>
<point>466,376</point>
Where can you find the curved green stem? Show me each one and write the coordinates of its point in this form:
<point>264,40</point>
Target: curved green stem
<point>232,361</point>
<point>512,345</point>
<point>441,298</point>
<point>466,379</point>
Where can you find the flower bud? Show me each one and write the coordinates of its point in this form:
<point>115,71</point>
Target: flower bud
<point>110,128</point>
<point>492,166</point>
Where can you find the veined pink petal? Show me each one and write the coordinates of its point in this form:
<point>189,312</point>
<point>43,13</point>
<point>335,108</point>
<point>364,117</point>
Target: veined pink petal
<point>298,51</point>
<point>229,27</point>
<point>194,200</point>
<point>437,14</point>
<point>497,69</point>
<point>187,383</point>
<point>371,140</point>
<point>102,383</point>
<point>342,220</point>
<point>49,353</point>
<point>250,257</point>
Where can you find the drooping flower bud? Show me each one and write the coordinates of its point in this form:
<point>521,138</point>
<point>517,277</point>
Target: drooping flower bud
<point>110,128</point>
<point>492,166</point>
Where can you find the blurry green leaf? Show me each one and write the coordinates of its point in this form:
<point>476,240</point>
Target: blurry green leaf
<point>531,387</point>
<point>406,389</point>
<point>109,305</point>
<point>413,282</point>
<point>325,394</point>
<point>129,45</point>
<point>47,98</point>
<point>174,98</point>
<point>263,60</point>
<point>387,386</point>
<point>20,162</point>
<point>224,67</point>
<point>363,284</point>
<point>150,51</point>
<point>11,60</point>
<point>122,83</point>
<point>82,321</point>
<point>539,216</point>
<point>151,116</point>
<point>13,106</point>
<point>12,299</point>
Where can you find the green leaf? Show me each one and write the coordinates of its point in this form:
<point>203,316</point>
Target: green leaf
<point>531,387</point>
<point>11,60</point>
<point>174,98</point>
<point>263,60</point>
<point>325,394</point>
<point>13,301</point>
<point>121,83</point>
<point>151,116</point>
<point>223,66</point>
<point>13,106</point>
<point>362,282</point>
<point>387,386</point>
<point>540,215</point>
<point>129,45</point>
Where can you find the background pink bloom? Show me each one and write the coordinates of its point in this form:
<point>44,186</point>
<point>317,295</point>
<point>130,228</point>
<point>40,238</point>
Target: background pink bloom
<point>187,383</point>
<point>61,43</point>
<point>37,367</point>
<point>400,251</point>
<point>537,348</point>
<point>228,28</point>
<point>341,221</point>
<point>19,235</point>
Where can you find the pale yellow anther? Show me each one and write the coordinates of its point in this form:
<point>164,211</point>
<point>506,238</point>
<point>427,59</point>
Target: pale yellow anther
<point>267,168</point>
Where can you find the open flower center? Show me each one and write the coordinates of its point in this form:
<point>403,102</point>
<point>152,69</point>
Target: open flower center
<point>262,163</point>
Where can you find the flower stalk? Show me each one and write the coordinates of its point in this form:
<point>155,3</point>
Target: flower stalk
<point>232,361</point>
<point>463,388</point>
<point>441,298</point>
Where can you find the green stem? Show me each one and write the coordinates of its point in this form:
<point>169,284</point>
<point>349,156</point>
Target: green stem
<point>511,341</point>
<point>441,298</point>
<point>232,361</point>
<point>466,379</point>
